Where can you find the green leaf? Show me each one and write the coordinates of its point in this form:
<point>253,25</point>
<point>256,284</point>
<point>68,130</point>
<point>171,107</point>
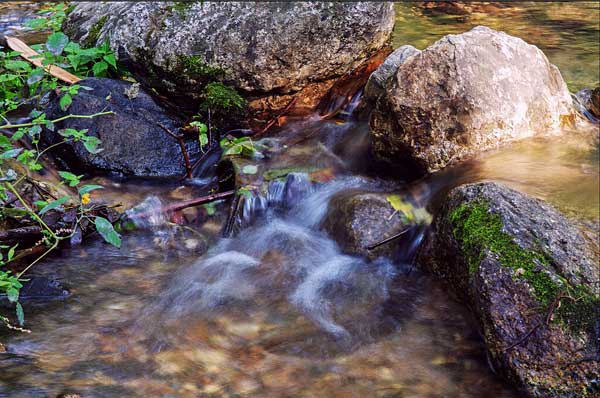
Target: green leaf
<point>203,138</point>
<point>89,188</point>
<point>17,65</point>
<point>12,294</point>
<point>35,76</point>
<point>11,252</point>
<point>234,150</point>
<point>56,43</point>
<point>36,23</point>
<point>11,153</point>
<point>20,314</point>
<point>111,60</point>
<point>408,211</point>
<point>99,68</point>
<point>67,132</point>
<point>35,130</point>
<point>55,204</point>
<point>71,178</point>
<point>211,208</point>
<point>250,169</point>
<point>399,204</point>
<point>106,230</point>
<point>65,101</point>
<point>92,144</point>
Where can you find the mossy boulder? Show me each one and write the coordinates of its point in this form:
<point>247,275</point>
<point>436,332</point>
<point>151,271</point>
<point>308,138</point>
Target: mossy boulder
<point>531,281</point>
<point>265,50</point>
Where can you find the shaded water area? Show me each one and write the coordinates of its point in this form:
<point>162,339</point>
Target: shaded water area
<point>277,310</point>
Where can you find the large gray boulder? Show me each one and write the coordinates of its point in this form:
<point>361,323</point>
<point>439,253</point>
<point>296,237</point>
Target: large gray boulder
<point>465,94</point>
<point>132,141</point>
<point>263,49</point>
<point>531,281</point>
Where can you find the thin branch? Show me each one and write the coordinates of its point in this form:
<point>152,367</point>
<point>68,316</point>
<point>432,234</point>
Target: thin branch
<point>60,119</point>
<point>181,141</point>
<point>391,238</point>
<point>198,201</point>
<point>271,122</point>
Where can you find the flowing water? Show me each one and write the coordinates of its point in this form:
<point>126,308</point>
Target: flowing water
<point>277,310</point>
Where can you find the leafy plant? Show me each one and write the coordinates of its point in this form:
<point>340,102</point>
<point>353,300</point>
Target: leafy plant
<point>20,83</point>
<point>202,132</point>
<point>50,17</point>
<point>238,146</point>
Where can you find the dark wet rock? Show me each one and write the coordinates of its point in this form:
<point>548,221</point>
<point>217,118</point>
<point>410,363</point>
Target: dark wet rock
<point>39,288</point>
<point>509,256</point>
<point>379,79</point>
<point>263,49</point>
<point>133,144</point>
<point>466,94</point>
<point>595,102</point>
<point>358,220</point>
<point>42,288</point>
<point>588,102</point>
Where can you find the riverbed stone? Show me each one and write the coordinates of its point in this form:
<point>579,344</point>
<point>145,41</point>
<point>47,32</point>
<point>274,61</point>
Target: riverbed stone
<point>357,220</point>
<point>510,257</point>
<point>465,94</point>
<point>263,49</point>
<point>132,142</point>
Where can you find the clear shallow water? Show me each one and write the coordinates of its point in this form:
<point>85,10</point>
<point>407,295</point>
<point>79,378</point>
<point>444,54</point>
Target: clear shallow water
<point>277,310</point>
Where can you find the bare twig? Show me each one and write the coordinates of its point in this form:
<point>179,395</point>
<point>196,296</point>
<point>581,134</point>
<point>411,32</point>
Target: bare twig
<point>391,238</point>
<point>198,201</point>
<point>554,306</point>
<point>181,141</point>
<point>274,120</point>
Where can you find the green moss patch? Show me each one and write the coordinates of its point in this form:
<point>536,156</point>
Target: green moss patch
<point>94,33</point>
<point>477,230</point>
<point>196,67</point>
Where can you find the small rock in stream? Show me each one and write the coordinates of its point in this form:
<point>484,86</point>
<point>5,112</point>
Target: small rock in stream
<point>358,220</point>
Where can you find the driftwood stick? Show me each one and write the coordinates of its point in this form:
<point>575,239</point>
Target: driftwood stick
<point>21,234</point>
<point>391,238</point>
<point>197,201</point>
<point>181,141</point>
<point>233,210</point>
<point>554,306</point>
<point>34,57</point>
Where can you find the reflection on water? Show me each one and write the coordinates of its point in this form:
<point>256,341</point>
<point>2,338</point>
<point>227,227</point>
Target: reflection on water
<point>567,32</point>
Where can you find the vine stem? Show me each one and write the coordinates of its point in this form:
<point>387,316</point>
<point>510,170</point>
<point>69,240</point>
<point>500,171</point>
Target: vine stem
<point>31,212</point>
<point>54,246</point>
<point>60,119</point>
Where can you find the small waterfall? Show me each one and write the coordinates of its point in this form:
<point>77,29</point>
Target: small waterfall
<point>285,259</point>
<point>280,195</point>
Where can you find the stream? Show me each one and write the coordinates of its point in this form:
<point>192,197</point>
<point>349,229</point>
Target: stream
<point>277,310</point>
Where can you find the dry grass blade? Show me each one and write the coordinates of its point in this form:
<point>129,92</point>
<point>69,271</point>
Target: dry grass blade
<point>32,56</point>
